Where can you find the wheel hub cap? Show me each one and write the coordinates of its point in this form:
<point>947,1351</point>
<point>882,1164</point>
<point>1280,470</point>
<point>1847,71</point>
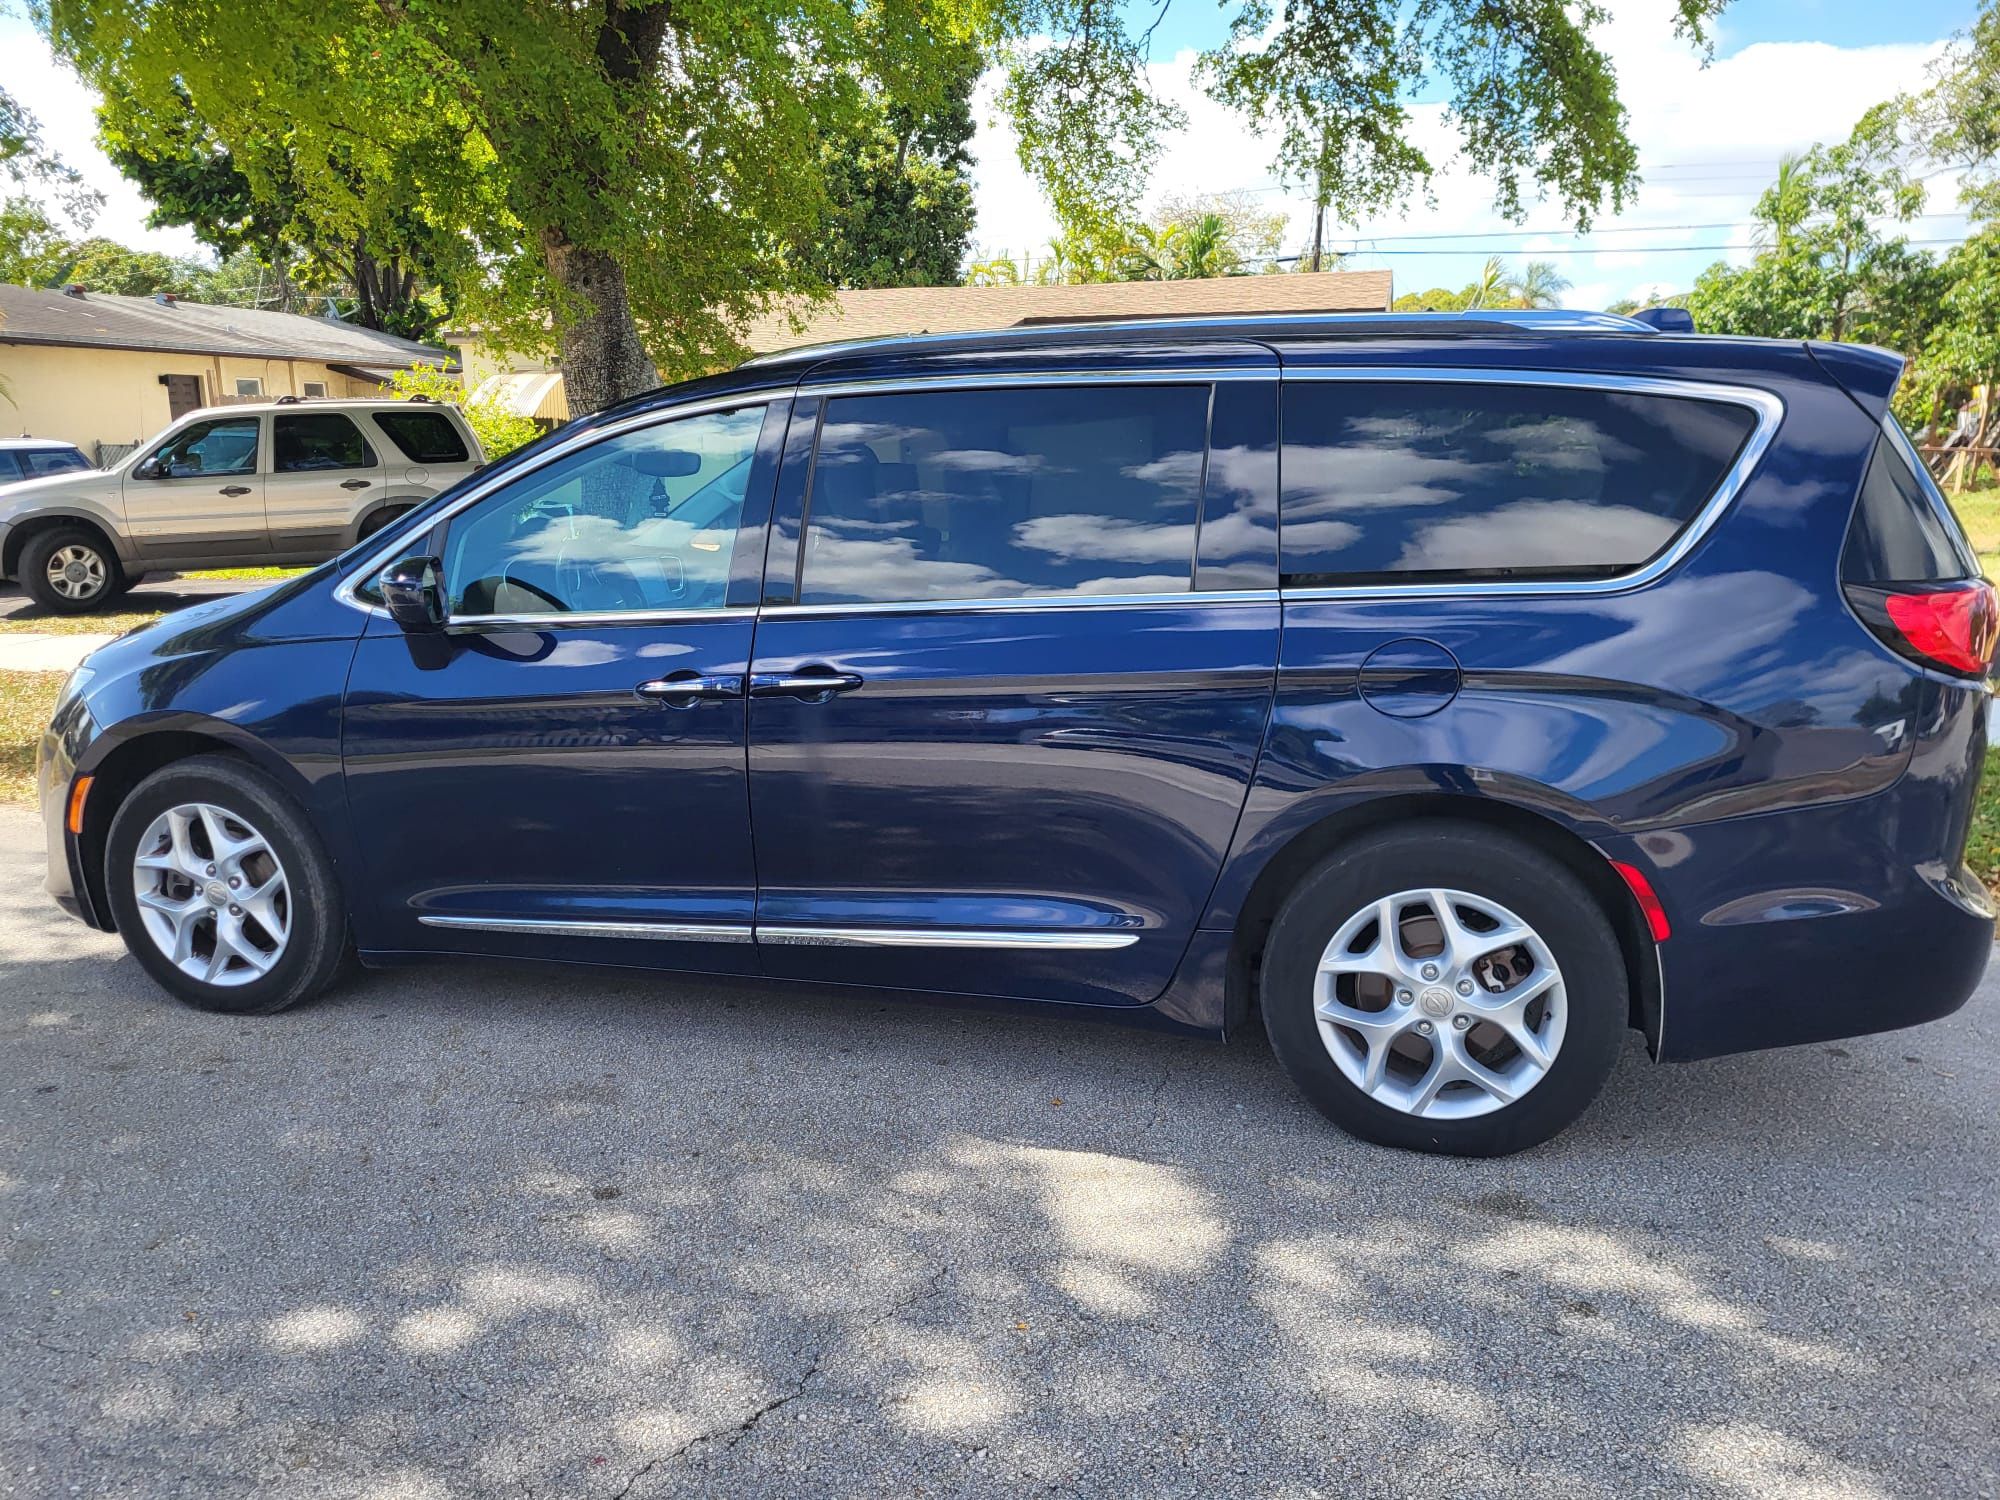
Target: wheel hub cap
<point>77,572</point>
<point>212,895</point>
<point>1440,1003</point>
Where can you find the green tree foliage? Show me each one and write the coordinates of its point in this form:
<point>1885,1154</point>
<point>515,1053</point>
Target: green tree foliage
<point>900,194</point>
<point>27,162</point>
<point>1497,286</point>
<point>499,430</point>
<point>33,248</point>
<point>634,179</point>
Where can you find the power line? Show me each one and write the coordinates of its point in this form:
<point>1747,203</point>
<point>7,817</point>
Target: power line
<point>1594,250</point>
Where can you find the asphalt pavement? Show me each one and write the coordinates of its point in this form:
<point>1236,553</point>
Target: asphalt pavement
<point>487,1231</point>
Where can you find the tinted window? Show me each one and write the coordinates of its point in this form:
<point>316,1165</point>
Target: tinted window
<point>1005,493</point>
<point>1897,535</point>
<point>227,445</point>
<point>300,445</point>
<point>39,462</point>
<point>1393,481</point>
<point>645,520</point>
<point>426,437</point>
<point>10,468</point>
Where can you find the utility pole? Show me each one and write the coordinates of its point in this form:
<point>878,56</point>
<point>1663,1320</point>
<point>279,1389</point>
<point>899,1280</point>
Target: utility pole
<point>1319,213</point>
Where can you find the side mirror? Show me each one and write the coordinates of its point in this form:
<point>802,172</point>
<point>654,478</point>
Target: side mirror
<point>412,594</point>
<point>147,468</point>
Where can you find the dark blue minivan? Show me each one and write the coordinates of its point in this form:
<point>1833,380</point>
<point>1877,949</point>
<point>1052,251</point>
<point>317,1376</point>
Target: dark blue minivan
<point>1456,692</point>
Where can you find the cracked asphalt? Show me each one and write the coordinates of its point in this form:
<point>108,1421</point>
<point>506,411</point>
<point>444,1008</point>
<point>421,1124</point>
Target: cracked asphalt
<point>482,1231</point>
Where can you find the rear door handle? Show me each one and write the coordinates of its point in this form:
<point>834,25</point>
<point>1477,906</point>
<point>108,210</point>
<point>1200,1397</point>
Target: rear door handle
<point>814,683</point>
<point>236,489</point>
<point>685,689</point>
<point>354,484</point>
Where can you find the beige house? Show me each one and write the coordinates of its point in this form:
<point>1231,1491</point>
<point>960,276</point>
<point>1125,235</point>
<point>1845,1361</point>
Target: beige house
<point>533,388</point>
<point>107,372</point>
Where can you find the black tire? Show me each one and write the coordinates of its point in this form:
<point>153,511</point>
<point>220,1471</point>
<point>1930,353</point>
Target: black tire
<point>34,566</point>
<point>1538,889</point>
<point>316,943</point>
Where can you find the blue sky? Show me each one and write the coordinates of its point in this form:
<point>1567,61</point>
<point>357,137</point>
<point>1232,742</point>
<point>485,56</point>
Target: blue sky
<point>1785,73</point>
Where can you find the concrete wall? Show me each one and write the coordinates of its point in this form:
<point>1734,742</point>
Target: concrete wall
<point>114,396</point>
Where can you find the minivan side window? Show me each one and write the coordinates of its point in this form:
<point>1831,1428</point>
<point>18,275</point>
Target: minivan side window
<point>645,520</point>
<point>325,440</point>
<point>1416,481</point>
<point>1005,493</point>
<point>226,445</point>
<point>426,437</point>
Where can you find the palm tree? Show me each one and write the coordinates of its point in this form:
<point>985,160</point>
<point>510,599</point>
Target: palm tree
<point>1493,285</point>
<point>1203,248</point>
<point>1151,254</point>
<point>1785,204</point>
<point>1541,285</point>
<point>998,271</point>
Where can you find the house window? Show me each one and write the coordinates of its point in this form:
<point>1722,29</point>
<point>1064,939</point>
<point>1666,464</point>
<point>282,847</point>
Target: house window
<point>249,385</point>
<point>314,388</point>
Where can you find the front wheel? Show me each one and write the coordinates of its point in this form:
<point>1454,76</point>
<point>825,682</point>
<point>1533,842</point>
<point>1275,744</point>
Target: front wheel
<point>69,570</point>
<point>1445,988</point>
<point>222,891</point>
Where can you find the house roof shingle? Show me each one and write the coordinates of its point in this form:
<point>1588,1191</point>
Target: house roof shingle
<point>965,309</point>
<point>30,315</point>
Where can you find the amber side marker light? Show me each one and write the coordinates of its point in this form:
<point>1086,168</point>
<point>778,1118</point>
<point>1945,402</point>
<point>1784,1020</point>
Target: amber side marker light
<point>1648,899</point>
<point>77,793</point>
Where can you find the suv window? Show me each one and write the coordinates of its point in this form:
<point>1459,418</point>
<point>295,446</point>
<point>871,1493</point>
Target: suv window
<point>302,445</point>
<point>39,463</point>
<point>642,521</point>
<point>226,445</point>
<point>1407,481</point>
<point>1897,534</point>
<point>991,494</point>
<point>426,437</point>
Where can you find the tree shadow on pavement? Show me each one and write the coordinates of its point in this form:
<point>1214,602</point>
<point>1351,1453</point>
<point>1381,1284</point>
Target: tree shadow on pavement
<point>489,1231</point>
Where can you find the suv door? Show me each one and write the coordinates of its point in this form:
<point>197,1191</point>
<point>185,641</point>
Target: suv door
<point>325,475</point>
<point>200,492</point>
<point>560,771</point>
<point>1017,654</point>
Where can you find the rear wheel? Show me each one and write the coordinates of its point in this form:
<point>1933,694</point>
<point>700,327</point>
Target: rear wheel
<point>380,519</point>
<point>1445,988</point>
<point>70,570</point>
<point>222,891</point>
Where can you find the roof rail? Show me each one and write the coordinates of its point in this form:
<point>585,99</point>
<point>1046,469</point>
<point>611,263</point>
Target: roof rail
<point>1666,319</point>
<point>1533,322</point>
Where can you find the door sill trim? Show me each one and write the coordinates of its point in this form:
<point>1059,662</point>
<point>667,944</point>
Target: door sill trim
<point>944,937</point>
<point>659,932</point>
<point>1074,939</point>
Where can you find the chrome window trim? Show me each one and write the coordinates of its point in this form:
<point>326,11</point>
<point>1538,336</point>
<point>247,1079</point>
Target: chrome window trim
<point>659,932</point>
<point>1770,409</point>
<point>875,385</point>
<point>369,566</point>
<point>945,937</point>
<point>598,617</point>
<point>1026,601</point>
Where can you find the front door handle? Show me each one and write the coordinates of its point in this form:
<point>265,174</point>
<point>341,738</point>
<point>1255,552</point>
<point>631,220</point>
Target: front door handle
<point>685,689</point>
<point>354,484</point>
<point>814,683</point>
<point>236,489</point>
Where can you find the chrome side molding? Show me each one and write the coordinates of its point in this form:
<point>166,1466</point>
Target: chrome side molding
<point>836,937</point>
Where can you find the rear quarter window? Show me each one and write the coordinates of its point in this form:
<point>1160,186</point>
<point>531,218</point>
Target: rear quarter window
<point>1899,534</point>
<point>39,463</point>
<point>1415,481</point>
<point>425,437</point>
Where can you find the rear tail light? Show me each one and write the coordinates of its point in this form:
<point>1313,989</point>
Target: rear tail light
<point>1948,626</point>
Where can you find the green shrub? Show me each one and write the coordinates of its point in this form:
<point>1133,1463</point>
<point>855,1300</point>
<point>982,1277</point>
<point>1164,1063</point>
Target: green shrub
<point>499,431</point>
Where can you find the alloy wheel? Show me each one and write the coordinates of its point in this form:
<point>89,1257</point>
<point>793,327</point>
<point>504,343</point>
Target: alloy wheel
<point>77,572</point>
<point>1440,1004</point>
<point>212,894</point>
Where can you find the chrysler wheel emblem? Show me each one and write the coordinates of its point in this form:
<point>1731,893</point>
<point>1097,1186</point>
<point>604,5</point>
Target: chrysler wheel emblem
<point>1436,1001</point>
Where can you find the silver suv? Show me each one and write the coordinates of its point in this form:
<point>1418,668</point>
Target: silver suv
<point>274,483</point>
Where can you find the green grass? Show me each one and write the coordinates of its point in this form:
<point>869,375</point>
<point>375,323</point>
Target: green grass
<point>243,575</point>
<point>32,621</point>
<point>26,701</point>
<point>1979,513</point>
<point>1982,849</point>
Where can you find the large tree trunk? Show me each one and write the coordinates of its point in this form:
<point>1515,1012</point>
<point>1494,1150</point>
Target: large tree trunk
<point>603,359</point>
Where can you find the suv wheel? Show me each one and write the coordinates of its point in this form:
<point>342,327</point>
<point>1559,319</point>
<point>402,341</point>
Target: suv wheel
<point>70,570</point>
<point>1445,988</point>
<point>222,891</point>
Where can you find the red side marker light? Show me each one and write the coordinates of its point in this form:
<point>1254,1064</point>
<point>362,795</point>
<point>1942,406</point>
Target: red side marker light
<point>1647,897</point>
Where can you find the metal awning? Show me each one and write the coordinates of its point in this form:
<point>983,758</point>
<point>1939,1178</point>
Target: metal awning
<point>527,393</point>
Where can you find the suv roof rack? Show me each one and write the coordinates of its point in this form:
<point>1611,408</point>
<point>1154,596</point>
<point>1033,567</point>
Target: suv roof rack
<point>286,401</point>
<point>1478,323</point>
